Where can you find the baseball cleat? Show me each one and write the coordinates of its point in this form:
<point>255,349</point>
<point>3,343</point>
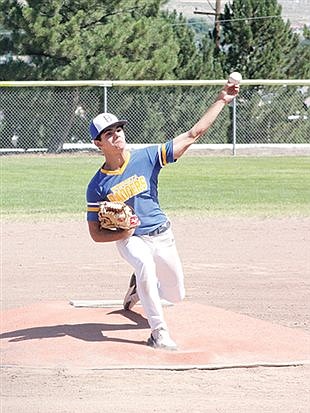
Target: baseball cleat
<point>160,338</point>
<point>131,297</point>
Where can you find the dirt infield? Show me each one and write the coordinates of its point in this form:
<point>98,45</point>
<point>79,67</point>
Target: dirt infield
<point>257,267</point>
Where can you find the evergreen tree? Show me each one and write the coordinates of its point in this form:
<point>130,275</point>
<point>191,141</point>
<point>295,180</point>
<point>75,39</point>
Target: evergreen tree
<point>306,32</point>
<point>211,60</point>
<point>257,42</point>
<point>86,39</point>
<point>93,39</point>
<point>98,39</point>
<point>189,57</point>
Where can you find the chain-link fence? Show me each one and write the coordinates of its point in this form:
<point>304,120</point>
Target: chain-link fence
<point>56,118</point>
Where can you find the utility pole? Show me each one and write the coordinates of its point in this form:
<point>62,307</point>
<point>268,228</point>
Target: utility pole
<point>217,26</point>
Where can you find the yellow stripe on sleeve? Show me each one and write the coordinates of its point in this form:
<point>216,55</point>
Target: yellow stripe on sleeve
<point>164,154</point>
<point>93,209</point>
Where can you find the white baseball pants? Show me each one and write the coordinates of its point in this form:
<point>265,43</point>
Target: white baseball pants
<point>158,270</point>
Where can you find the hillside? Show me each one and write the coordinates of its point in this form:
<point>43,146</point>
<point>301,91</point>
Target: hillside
<point>296,11</point>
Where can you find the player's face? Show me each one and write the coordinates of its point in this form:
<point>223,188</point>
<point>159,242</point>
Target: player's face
<point>113,138</point>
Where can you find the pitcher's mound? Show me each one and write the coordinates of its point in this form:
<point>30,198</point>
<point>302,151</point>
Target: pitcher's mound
<point>58,335</point>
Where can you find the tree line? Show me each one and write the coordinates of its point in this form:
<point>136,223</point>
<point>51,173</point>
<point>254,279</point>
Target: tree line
<point>136,39</point>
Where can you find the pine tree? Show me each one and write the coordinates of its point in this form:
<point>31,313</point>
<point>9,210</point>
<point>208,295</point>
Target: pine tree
<point>189,56</point>
<point>86,39</point>
<point>257,42</point>
<point>211,60</point>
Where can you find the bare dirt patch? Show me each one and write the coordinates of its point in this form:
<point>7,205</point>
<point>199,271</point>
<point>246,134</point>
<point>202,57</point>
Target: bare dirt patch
<point>258,267</point>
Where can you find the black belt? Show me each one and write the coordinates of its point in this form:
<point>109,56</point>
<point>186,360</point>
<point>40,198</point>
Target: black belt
<point>162,228</point>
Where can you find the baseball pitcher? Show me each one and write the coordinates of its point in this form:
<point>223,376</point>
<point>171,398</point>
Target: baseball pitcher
<point>123,207</point>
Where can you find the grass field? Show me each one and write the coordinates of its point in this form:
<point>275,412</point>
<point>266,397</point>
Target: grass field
<point>43,186</point>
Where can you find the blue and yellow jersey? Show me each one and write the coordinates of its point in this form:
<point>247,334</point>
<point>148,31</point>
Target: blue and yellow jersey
<point>135,183</point>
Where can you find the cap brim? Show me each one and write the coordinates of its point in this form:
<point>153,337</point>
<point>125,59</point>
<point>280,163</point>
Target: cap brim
<point>113,125</point>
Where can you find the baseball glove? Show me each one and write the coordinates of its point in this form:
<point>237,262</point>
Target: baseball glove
<point>117,215</point>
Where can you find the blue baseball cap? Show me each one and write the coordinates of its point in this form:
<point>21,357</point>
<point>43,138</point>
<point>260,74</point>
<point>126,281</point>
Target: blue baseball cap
<point>104,121</point>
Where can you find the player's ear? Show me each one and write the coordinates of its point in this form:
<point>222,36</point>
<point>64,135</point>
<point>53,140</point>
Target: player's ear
<point>97,142</point>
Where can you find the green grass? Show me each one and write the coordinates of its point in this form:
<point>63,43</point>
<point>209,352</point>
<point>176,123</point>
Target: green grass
<point>41,186</point>
<point>270,186</point>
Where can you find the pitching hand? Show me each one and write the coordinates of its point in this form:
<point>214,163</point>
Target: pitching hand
<point>229,92</point>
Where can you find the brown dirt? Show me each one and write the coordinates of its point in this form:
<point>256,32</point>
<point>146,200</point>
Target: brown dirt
<point>258,267</point>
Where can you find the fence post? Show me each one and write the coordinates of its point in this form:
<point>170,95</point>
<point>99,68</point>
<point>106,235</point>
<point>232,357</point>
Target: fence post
<point>105,104</point>
<point>234,128</point>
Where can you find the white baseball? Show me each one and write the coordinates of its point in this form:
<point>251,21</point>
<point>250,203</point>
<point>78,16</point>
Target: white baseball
<point>235,78</point>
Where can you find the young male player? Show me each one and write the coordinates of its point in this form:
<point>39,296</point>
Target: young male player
<point>132,177</point>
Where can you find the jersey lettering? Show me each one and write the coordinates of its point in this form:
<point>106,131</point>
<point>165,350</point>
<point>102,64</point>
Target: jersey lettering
<point>127,189</point>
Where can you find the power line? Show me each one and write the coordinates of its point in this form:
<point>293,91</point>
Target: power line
<point>228,20</point>
<point>211,5</point>
<point>250,18</point>
<point>216,13</point>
